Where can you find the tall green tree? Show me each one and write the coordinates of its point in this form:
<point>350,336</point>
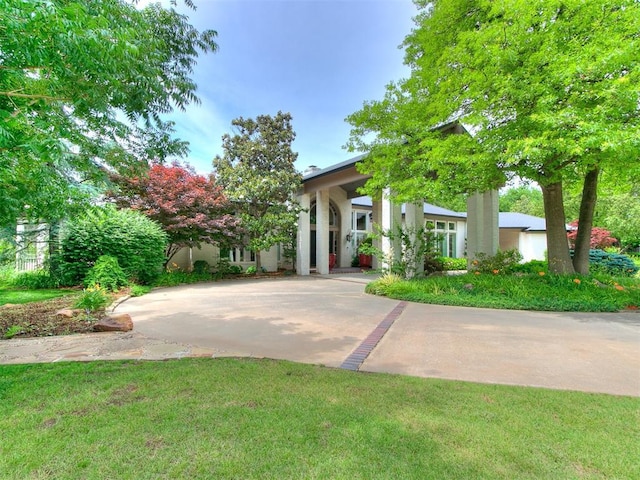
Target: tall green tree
<point>258,174</point>
<point>522,199</point>
<point>549,89</point>
<point>83,86</point>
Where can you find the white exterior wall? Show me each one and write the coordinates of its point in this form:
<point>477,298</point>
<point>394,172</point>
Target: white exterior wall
<point>533,245</point>
<point>208,253</point>
<point>186,257</point>
<point>510,239</point>
<point>181,260</point>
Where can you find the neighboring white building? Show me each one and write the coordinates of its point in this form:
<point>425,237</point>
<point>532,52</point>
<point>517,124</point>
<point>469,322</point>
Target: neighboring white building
<point>526,233</point>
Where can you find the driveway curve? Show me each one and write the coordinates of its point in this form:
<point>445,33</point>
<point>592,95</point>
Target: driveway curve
<point>304,319</point>
<point>330,320</point>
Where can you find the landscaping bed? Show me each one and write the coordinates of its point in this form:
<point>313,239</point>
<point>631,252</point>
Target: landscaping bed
<point>39,319</point>
<point>545,292</point>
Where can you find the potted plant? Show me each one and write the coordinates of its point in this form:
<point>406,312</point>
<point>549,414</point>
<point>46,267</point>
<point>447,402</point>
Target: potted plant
<point>365,251</point>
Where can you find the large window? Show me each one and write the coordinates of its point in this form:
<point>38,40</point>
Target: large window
<point>445,233</point>
<point>360,227</point>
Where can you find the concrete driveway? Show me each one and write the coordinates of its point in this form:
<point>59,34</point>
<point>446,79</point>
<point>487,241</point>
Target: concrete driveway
<point>331,321</point>
<point>304,319</point>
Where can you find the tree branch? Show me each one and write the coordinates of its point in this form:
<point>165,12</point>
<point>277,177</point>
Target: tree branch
<point>33,96</point>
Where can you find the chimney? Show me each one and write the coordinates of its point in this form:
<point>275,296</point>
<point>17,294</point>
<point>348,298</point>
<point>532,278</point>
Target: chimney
<point>310,169</point>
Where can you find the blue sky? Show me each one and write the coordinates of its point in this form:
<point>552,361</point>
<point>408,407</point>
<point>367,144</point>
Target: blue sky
<point>317,59</point>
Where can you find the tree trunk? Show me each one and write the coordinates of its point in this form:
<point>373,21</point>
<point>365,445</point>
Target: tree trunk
<point>585,222</point>
<point>258,262</point>
<point>169,252</point>
<point>557,244</point>
<point>54,248</point>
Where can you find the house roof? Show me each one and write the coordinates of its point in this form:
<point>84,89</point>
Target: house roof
<point>521,221</point>
<point>321,172</point>
<point>429,209</point>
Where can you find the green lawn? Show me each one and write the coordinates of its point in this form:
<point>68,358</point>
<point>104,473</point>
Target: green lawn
<point>20,296</point>
<point>548,292</point>
<point>247,418</point>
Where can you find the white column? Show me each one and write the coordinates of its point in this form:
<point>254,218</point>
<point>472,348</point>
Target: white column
<point>322,231</point>
<point>391,219</point>
<point>303,260</point>
<point>345,251</point>
<point>414,221</point>
<point>482,224</point>
<point>376,219</point>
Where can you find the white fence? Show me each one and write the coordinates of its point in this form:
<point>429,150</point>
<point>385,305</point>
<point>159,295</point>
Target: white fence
<point>28,263</point>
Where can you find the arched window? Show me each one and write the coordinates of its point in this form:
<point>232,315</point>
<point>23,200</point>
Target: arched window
<point>333,215</point>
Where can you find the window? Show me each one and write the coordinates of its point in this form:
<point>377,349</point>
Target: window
<point>237,255</point>
<point>445,237</point>
<point>360,223</point>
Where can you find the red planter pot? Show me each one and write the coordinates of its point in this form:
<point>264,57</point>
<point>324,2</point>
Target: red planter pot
<point>332,260</point>
<point>364,260</point>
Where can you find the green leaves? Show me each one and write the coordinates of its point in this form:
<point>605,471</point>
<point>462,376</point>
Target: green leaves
<point>85,83</point>
<point>258,174</point>
<point>550,90</point>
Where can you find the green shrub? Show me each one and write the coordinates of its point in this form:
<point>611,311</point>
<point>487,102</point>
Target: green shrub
<point>140,290</point>
<point>176,277</point>
<point>449,264</point>
<point>107,273</point>
<point>612,263</point>
<point>35,280</point>
<point>92,299</point>
<point>502,262</point>
<point>251,270</point>
<point>12,331</point>
<point>7,274</point>
<point>224,268</point>
<point>381,285</point>
<point>137,242</point>
<point>533,267</point>
<point>432,264</point>
<point>201,266</point>
<point>7,252</point>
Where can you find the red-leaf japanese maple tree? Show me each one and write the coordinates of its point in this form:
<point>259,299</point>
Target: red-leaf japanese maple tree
<point>191,208</point>
<point>600,238</point>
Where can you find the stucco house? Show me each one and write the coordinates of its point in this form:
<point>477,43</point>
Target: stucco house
<point>337,218</point>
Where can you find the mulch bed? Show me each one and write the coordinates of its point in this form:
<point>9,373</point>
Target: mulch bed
<point>39,319</point>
